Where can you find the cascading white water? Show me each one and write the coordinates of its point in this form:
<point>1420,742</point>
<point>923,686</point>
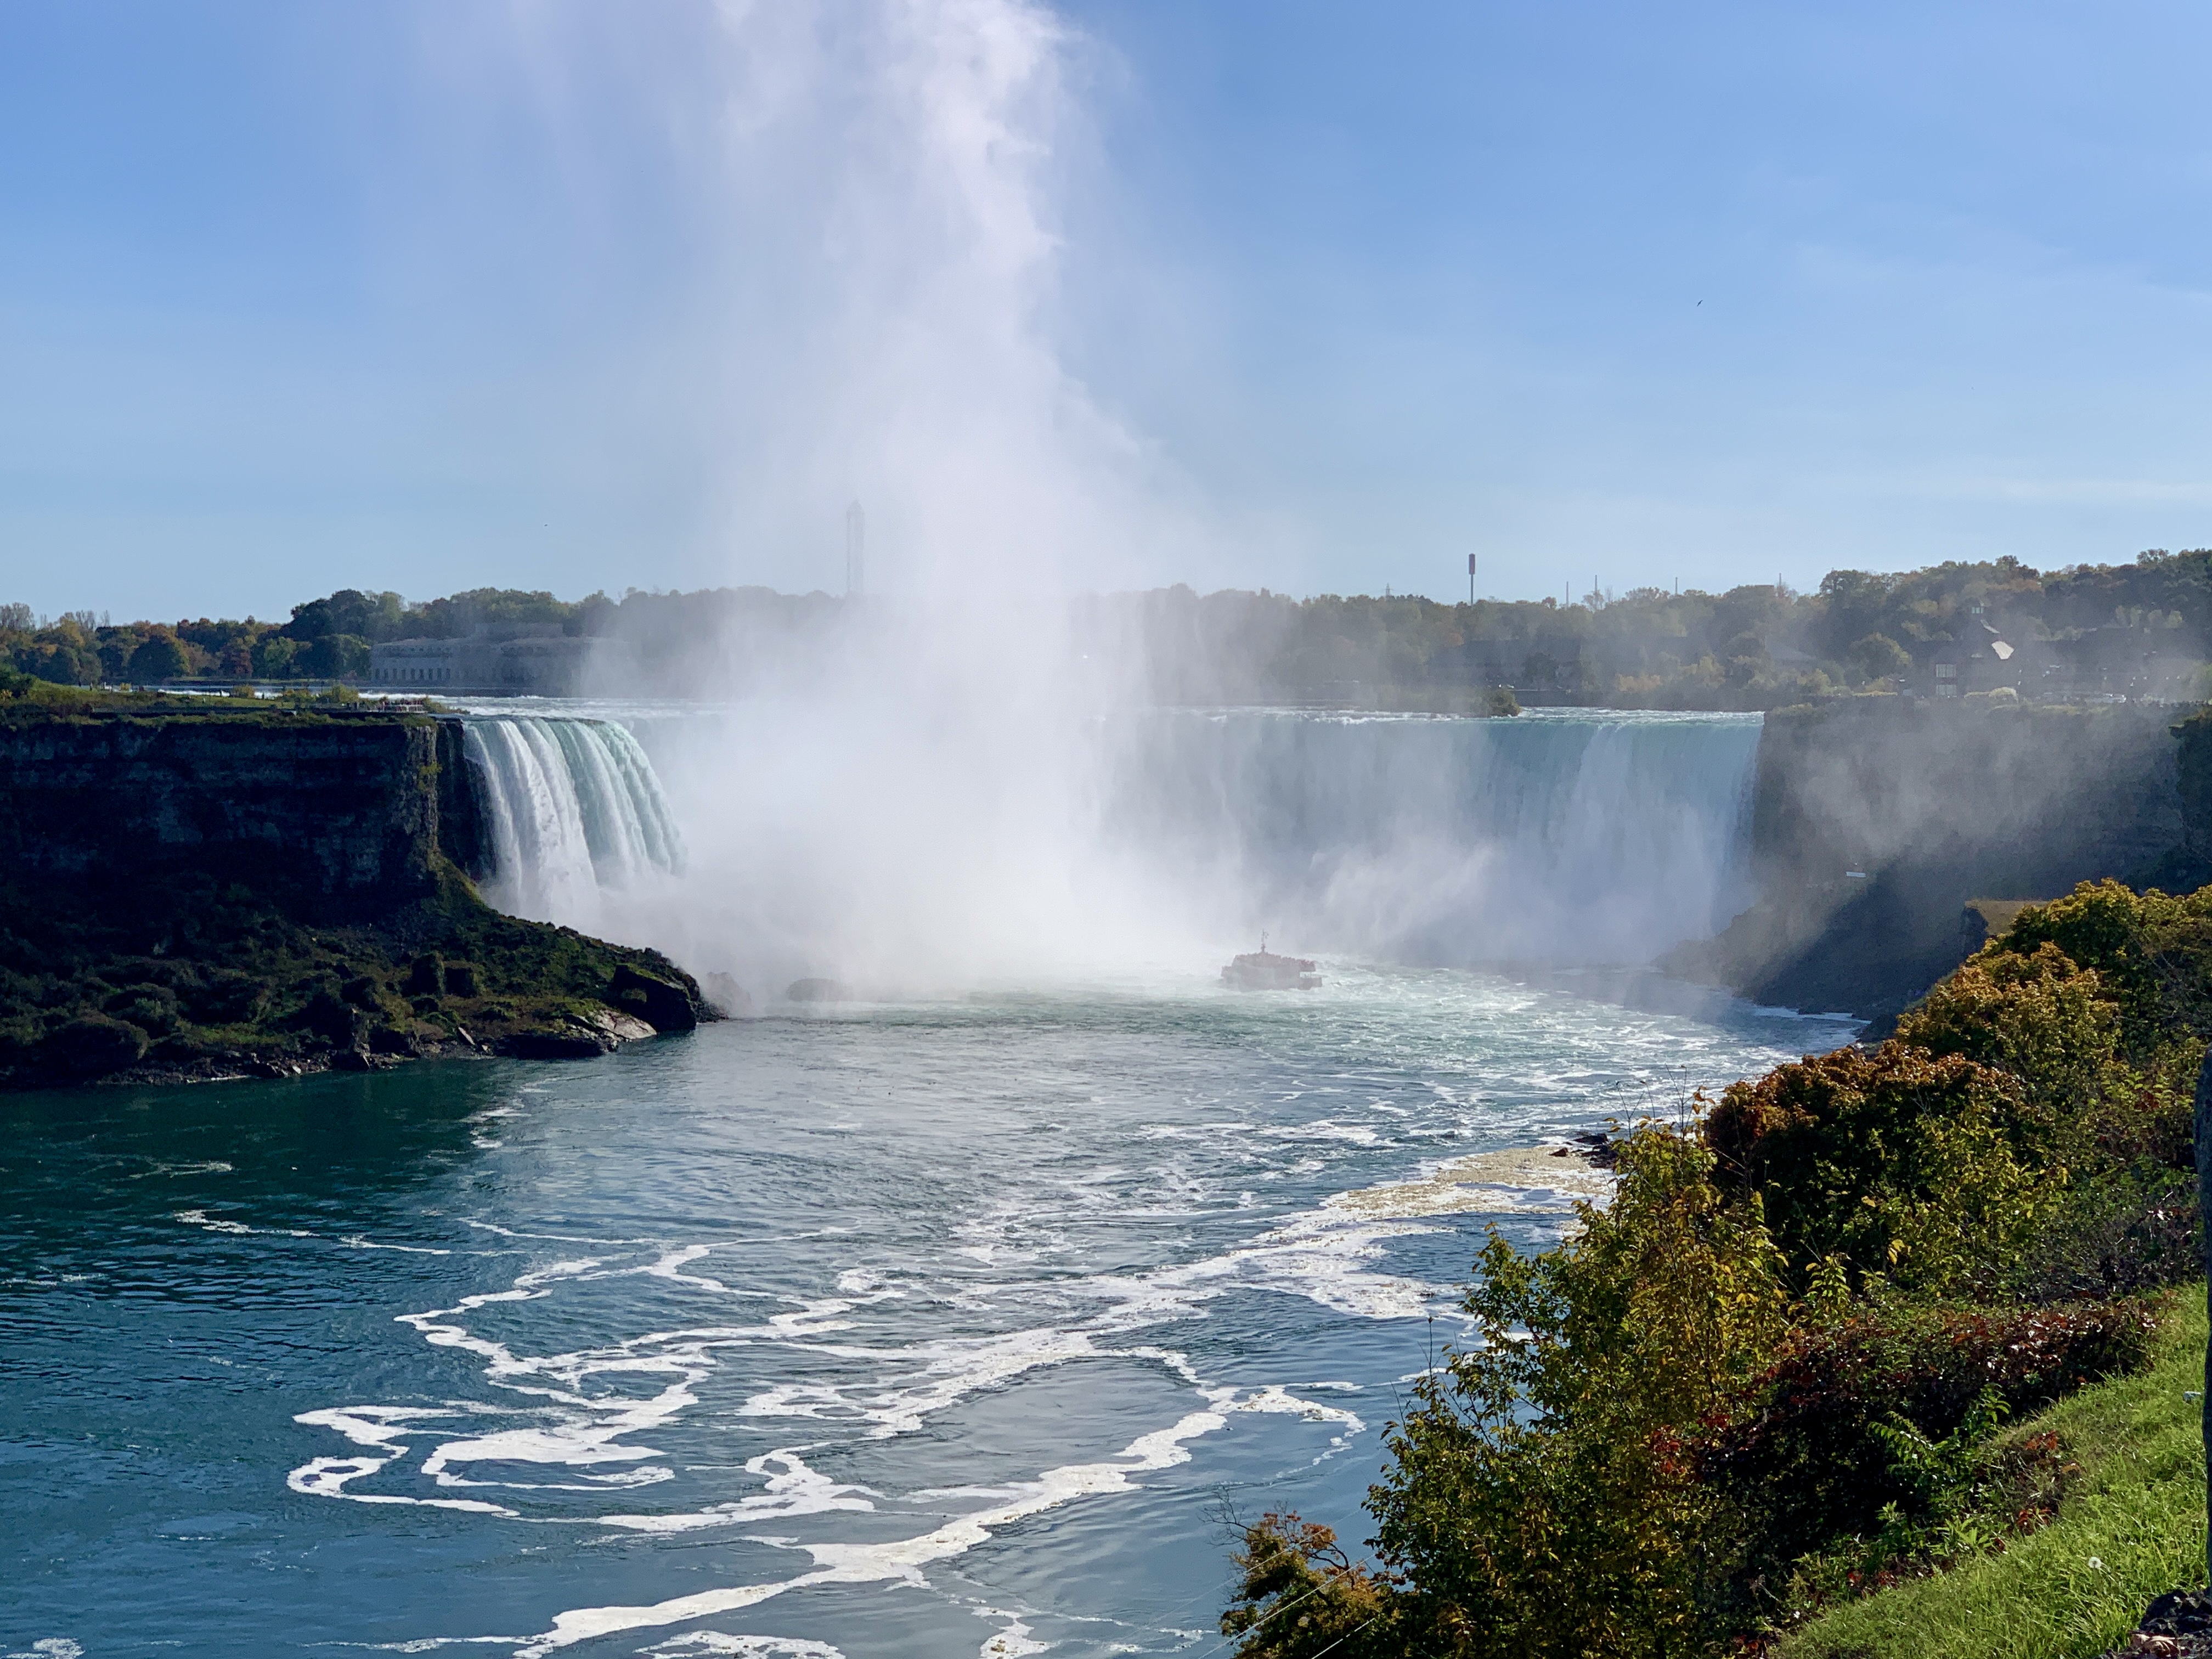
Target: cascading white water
<point>1565,837</point>
<point>574,809</point>
<point>1562,836</point>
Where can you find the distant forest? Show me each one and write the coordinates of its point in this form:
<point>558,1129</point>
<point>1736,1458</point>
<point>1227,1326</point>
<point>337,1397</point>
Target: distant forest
<point>2141,626</point>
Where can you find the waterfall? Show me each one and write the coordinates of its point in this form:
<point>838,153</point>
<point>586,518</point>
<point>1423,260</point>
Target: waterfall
<point>573,810</point>
<point>1562,836</point>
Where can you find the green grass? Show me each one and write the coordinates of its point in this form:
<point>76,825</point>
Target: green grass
<point>2131,1527</point>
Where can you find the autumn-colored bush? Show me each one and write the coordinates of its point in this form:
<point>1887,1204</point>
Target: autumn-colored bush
<point>1544,1496</point>
<point>1768,1374</point>
<point>1299,1595</point>
<point>2152,952</point>
<point>1816,1455</point>
<point>1927,1171</point>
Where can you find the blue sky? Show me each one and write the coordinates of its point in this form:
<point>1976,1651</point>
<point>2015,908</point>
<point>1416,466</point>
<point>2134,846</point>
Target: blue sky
<point>578,293</point>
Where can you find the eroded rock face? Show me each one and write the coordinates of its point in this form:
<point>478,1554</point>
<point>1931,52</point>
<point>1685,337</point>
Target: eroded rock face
<point>662,1004</point>
<point>261,892</point>
<point>1875,820</point>
<point>339,811</point>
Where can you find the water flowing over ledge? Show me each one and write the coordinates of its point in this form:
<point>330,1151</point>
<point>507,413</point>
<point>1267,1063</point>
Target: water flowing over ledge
<point>574,808</point>
<point>1562,836</point>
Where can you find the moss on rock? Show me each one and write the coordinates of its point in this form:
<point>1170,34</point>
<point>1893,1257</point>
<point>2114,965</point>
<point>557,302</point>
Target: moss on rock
<point>152,929</point>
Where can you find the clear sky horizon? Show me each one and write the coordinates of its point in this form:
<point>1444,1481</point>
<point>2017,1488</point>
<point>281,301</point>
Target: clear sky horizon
<point>430,294</point>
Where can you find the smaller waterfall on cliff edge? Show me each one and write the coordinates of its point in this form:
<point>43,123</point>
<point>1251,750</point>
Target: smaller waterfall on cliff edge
<point>574,809</point>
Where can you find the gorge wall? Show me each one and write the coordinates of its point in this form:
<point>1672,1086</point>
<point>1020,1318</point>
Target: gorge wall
<point>337,809</point>
<point>202,889</point>
<point>1876,821</point>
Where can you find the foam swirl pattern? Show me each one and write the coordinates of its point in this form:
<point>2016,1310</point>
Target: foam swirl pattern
<point>934,1329</point>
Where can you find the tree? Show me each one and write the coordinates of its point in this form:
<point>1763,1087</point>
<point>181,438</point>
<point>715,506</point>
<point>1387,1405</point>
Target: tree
<point>275,657</point>
<point>348,612</point>
<point>1878,656</point>
<point>160,657</point>
<point>334,656</point>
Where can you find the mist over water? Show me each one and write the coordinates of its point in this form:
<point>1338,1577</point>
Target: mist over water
<point>950,786</point>
<point>942,1321</point>
<point>841,841</point>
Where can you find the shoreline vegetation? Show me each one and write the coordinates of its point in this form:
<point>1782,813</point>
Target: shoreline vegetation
<point>209,959</point>
<point>1856,1355</point>
<point>1990,630</point>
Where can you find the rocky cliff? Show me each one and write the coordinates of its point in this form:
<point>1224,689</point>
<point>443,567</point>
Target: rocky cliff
<point>337,809</point>
<point>1877,820</point>
<point>199,889</point>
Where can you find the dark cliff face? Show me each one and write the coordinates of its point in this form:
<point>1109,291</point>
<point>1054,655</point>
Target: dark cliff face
<point>336,812</point>
<point>464,820</point>
<point>1876,820</point>
<point>2014,802</point>
<point>209,892</point>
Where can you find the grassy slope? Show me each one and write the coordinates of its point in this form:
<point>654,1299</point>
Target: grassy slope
<point>2139,1509</point>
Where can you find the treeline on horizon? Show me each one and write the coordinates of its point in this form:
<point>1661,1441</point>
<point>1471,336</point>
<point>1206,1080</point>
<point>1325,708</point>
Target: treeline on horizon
<point>1757,646</point>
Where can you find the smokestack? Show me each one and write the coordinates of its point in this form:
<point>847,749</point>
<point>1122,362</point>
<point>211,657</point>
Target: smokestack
<point>856,550</point>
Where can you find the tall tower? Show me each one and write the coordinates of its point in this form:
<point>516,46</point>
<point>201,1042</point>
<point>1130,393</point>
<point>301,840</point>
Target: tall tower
<point>856,551</point>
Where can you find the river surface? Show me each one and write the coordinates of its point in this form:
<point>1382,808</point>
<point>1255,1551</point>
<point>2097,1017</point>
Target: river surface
<point>968,1328</point>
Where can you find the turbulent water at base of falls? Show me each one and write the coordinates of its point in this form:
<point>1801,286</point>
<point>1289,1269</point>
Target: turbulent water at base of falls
<point>574,809</point>
<point>1561,836</point>
<point>928,1330</point>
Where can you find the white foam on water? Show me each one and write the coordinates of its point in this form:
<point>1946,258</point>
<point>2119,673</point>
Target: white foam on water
<point>1012,1640</point>
<point>792,1489</point>
<point>900,1559</point>
<point>714,1642</point>
<point>387,1429</point>
<point>356,1242</point>
<point>217,1225</point>
<point>892,1351</point>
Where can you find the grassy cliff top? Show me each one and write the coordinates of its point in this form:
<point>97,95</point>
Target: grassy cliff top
<point>33,702</point>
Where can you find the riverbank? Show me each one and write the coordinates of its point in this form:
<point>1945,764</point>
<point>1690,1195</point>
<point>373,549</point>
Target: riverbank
<point>1772,1375</point>
<point>2130,1526</point>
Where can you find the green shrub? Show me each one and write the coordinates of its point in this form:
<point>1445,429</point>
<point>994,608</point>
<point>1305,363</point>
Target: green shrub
<point>1543,1491</point>
<point>92,1045</point>
<point>2152,952</point>
<point>2036,1016</point>
<point>1927,1171</point>
<point>1883,1410</point>
<point>1299,1596</point>
<point>2120,1233</point>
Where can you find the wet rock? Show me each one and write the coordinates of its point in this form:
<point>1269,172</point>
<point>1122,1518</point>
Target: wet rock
<point>2177,1626</point>
<point>661,1004</point>
<point>573,1042</point>
<point>727,998</point>
<point>357,1059</point>
<point>390,1040</point>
